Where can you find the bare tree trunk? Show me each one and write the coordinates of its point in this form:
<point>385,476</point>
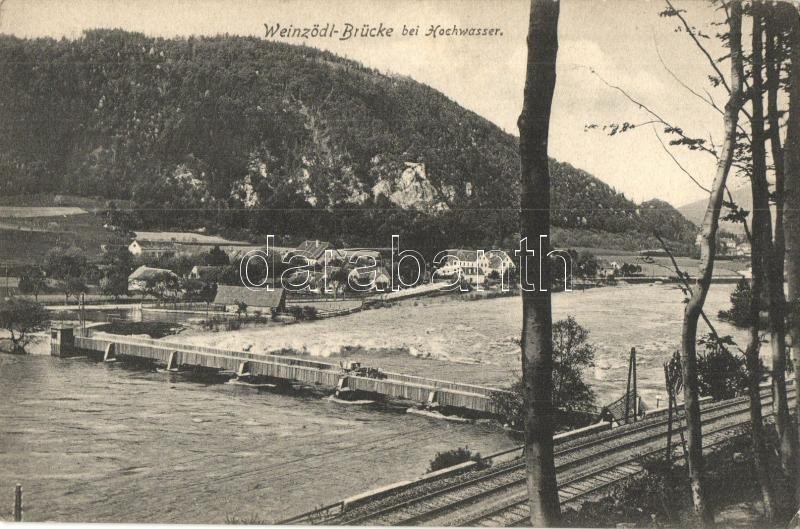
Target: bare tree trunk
<point>792,212</point>
<point>773,59</point>
<point>707,254</point>
<point>537,339</point>
<point>753,364</point>
<point>762,247</point>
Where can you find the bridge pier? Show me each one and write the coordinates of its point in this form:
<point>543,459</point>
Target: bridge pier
<point>172,361</point>
<point>243,370</point>
<point>110,353</point>
<point>432,401</point>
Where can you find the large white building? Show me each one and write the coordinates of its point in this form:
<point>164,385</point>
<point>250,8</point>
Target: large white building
<point>474,266</point>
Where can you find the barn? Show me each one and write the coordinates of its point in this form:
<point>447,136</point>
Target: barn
<point>263,300</point>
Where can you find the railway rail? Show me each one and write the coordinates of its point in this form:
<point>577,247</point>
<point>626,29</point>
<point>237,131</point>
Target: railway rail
<point>498,496</point>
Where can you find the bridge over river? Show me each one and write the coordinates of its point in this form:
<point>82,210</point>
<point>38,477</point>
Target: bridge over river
<point>447,394</point>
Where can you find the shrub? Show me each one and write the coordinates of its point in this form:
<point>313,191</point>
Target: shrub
<point>741,298</point>
<point>454,457</point>
<point>720,373</point>
<point>296,312</point>
<point>310,313</point>
<point>572,352</point>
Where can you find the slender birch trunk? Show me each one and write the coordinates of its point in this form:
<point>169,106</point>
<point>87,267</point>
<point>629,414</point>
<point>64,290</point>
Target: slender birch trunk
<point>707,254</point>
<point>791,213</point>
<point>537,339</point>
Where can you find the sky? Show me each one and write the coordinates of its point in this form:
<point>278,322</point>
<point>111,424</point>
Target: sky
<point>619,40</point>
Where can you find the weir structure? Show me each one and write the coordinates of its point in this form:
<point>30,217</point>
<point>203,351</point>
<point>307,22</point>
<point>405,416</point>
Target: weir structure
<point>65,342</point>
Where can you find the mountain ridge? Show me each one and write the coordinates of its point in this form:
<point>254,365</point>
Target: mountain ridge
<point>255,135</point>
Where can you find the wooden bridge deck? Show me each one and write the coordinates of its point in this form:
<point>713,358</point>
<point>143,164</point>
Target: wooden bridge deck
<point>305,371</point>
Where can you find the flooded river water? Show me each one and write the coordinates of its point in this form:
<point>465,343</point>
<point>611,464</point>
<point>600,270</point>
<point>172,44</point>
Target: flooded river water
<point>477,341</point>
<point>102,442</point>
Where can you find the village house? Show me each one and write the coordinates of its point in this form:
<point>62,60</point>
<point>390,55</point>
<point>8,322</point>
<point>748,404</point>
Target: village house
<point>314,252</point>
<point>137,281</point>
<point>230,297</point>
<point>155,249</point>
<point>158,243</point>
<point>369,279</point>
<point>474,266</point>
<point>359,256</point>
<point>742,249</point>
<point>607,269</point>
<point>313,280</point>
<point>469,265</point>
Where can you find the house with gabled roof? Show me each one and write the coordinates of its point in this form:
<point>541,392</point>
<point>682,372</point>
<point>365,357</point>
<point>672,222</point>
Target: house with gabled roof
<point>137,281</point>
<point>313,251</point>
<point>369,279</point>
<point>469,265</point>
<point>230,297</point>
<point>152,248</point>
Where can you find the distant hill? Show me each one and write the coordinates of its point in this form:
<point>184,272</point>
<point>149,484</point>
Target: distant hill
<point>246,136</point>
<point>695,211</point>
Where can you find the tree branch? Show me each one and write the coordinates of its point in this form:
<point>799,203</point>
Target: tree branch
<point>683,277</point>
<point>657,117</point>
<point>681,167</point>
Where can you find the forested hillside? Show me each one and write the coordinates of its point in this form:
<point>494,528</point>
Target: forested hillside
<point>236,133</point>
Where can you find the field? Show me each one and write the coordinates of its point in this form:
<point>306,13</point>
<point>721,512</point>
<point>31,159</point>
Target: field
<point>15,212</point>
<point>33,225</point>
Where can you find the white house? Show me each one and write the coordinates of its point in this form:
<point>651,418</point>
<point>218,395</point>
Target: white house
<point>151,248</point>
<point>471,265</point>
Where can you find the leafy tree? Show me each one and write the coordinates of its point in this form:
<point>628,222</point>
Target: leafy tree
<point>32,281</point>
<point>161,285</point>
<point>741,298</point>
<point>114,284</point>
<point>69,266</point>
<point>198,289</point>
<point>572,352</point>
<point>73,286</point>
<point>720,374</point>
<point>20,317</point>
<point>116,266</point>
<point>215,257</point>
<point>587,264</point>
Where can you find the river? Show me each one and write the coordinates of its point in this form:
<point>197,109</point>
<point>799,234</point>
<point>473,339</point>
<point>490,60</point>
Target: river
<point>477,341</point>
<point>106,443</point>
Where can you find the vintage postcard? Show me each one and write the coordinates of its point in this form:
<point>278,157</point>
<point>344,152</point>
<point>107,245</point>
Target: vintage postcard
<point>400,262</point>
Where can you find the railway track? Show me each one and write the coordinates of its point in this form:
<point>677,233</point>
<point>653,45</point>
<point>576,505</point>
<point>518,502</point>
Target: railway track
<point>498,497</point>
<point>514,511</point>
